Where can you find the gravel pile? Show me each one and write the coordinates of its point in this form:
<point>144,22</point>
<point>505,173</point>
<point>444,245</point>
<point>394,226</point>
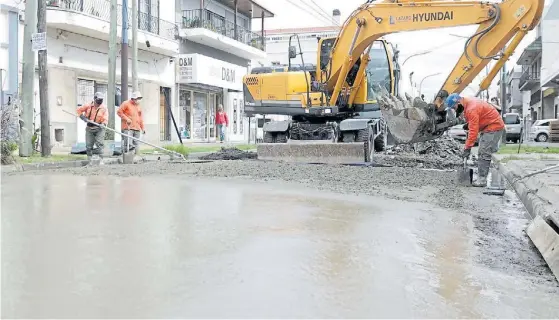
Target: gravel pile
<point>441,153</point>
<point>230,154</point>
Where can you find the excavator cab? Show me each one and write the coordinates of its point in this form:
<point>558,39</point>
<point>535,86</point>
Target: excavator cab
<point>381,75</point>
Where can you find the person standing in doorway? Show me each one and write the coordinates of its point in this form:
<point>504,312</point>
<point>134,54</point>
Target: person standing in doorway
<point>94,133</point>
<point>222,122</point>
<point>132,121</point>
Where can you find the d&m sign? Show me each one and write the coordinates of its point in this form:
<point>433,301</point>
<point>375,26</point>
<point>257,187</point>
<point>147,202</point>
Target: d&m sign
<point>197,68</point>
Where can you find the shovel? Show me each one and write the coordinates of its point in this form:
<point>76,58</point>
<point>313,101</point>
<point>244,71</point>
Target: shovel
<point>465,175</point>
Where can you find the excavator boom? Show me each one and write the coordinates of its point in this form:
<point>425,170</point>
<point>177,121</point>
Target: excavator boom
<point>413,122</point>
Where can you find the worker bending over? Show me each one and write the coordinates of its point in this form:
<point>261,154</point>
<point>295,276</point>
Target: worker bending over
<point>132,121</point>
<point>480,117</point>
<point>94,133</point>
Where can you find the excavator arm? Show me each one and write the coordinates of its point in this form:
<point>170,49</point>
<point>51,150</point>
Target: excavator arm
<point>498,24</point>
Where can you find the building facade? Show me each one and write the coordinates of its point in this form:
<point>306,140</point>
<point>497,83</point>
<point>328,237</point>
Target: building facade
<point>514,95</point>
<point>11,31</point>
<point>216,47</point>
<point>530,62</point>
<point>550,64</point>
<point>77,42</point>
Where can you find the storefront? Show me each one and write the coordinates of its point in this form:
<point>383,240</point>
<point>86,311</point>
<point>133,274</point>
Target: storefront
<point>205,83</point>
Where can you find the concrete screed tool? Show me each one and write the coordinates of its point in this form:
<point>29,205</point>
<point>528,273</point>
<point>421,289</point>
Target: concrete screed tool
<point>133,138</point>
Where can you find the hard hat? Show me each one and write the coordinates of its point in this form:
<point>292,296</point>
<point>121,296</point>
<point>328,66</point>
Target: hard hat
<point>99,95</point>
<point>136,95</point>
<point>452,100</point>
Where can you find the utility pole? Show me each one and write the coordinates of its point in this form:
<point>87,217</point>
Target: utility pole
<point>504,94</point>
<point>135,45</point>
<point>43,81</point>
<point>112,71</point>
<point>124,53</point>
<point>27,80</point>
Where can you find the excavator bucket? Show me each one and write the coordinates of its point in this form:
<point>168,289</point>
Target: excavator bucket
<point>409,122</point>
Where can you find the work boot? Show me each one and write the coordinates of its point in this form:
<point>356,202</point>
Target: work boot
<point>480,182</point>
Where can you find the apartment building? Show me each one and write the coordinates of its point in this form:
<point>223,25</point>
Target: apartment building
<point>277,42</point>
<point>550,64</point>
<point>77,42</point>
<point>11,30</point>
<point>529,83</point>
<point>216,47</point>
<point>514,95</point>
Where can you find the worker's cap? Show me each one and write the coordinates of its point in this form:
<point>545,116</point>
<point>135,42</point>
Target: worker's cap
<point>136,95</point>
<point>99,95</point>
<point>452,101</point>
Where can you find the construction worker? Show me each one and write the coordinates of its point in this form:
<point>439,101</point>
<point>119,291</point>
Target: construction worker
<point>480,117</point>
<point>132,121</point>
<point>94,134</point>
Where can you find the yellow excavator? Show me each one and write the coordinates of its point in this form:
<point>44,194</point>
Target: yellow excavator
<point>357,74</point>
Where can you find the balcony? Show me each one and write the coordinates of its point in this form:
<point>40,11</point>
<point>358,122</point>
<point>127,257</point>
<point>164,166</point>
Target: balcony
<point>91,18</point>
<point>529,80</point>
<point>531,53</point>
<point>205,27</point>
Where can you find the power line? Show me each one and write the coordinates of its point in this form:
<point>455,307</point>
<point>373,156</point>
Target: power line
<point>319,17</point>
<point>322,13</point>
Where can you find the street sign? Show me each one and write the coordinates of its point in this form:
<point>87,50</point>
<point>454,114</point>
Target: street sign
<point>39,41</point>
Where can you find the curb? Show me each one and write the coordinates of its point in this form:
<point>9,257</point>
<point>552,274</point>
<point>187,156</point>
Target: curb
<point>542,211</point>
<point>81,163</point>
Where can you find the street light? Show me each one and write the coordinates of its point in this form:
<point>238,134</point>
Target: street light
<point>427,76</point>
<point>415,55</point>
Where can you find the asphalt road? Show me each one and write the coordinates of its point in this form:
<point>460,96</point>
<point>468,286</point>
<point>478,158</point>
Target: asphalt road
<point>82,246</point>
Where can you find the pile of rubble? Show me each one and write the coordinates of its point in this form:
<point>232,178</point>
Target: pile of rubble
<point>230,154</point>
<point>441,153</point>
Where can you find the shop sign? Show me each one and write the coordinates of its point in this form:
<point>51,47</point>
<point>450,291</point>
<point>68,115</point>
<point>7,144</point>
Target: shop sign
<point>197,68</point>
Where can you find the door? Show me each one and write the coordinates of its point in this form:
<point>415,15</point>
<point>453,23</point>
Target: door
<point>86,90</point>
<point>211,116</point>
<point>185,106</point>
<point>164,132</point>
<point>199,116</point>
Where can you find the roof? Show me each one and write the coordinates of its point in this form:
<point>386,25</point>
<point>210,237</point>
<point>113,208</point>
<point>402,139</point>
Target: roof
<point>249,7</point>
<point>301,30</point>
<point>531,52</point>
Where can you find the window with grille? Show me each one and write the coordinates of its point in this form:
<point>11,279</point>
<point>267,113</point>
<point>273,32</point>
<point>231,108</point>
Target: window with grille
<point>148,16</point>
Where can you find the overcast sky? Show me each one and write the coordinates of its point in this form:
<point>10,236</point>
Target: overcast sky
<point>290,14</point>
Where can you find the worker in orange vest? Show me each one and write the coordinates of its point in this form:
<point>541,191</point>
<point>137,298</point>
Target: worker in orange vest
<point>481,117</point>
<point>132,121</point>
<point>96,112</point>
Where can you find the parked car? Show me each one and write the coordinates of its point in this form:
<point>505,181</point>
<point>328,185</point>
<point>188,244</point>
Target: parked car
<point>513,126</point>
<point>458,133</point>
<point>540,130</point>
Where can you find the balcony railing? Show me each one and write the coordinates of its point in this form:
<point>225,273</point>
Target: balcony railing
<point>102,10</point>
<point>201,18</point>
<point>529,75</point>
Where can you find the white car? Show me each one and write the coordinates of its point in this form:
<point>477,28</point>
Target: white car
<point>540,130</point>
<point>458,133</point>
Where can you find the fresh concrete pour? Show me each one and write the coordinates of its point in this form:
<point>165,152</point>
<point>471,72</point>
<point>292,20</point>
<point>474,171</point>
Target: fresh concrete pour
<point>167,240</point>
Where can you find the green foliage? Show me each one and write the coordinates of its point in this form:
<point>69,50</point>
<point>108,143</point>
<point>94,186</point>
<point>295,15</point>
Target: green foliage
<point>511,149</point>
<point>178,148</point>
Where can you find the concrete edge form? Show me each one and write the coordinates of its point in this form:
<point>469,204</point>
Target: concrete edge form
<point>540,232</point>
<point>327,153</point>
<point>547,242</point>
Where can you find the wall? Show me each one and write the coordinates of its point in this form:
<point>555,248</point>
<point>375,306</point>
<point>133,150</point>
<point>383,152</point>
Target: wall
<point>9,11</point>
<point>194,47</point>
<point>526,103</point>
<point>86,58</point>
<point>550,44</point>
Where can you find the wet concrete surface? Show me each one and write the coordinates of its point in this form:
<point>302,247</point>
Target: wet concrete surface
<point>98,243</point>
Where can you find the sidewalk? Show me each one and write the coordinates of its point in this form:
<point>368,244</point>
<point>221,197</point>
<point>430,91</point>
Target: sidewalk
<point>540,196</point>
